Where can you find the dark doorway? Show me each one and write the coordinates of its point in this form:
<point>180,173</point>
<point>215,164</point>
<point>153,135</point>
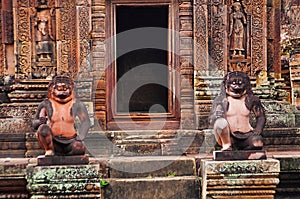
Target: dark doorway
<point>142,72</point>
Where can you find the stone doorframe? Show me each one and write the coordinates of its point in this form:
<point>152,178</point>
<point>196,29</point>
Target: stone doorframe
<point>182,19</point>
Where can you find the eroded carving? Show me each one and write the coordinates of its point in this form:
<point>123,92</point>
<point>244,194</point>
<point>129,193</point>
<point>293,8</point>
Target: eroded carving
<point>237,30</point>
<point>45,45</point>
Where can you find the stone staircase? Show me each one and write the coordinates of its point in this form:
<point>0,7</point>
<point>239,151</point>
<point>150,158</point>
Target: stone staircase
<point>152,177</point>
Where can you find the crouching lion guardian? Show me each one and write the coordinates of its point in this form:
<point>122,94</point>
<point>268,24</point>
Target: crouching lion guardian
<point>55,118</point>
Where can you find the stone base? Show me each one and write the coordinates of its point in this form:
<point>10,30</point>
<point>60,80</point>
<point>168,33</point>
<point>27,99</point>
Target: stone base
<point>62,160</point>
<point>239,179</point>
<point>240,155</point>
<point>63,181</point>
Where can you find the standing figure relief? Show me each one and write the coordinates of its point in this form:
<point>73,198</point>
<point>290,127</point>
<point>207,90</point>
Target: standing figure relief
<point>237,29</point>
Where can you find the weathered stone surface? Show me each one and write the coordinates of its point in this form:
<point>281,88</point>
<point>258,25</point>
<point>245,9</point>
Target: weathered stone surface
<point>69,181</point>
<point>289,186</point>
<point>12,178</point>
<point>149,188</point>
<point>281,139</point>
<point>239,179</point>
<point>12,145</point>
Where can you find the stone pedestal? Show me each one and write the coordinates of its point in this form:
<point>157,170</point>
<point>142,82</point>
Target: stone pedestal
<point>63,181</point>
<point>239,179</point>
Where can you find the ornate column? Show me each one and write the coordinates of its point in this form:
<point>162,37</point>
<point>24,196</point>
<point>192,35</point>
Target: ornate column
<point>99,61</point>
<point>186,64</point>
<point>23,38</point>
<point>66,37</point>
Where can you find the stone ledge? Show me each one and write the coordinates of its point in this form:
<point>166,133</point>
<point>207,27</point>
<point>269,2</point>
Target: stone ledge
<point>63,180</point>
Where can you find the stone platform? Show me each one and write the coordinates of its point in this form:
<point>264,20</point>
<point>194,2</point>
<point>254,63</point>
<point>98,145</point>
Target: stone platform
<point>239,179</point>
<point>146,177</point>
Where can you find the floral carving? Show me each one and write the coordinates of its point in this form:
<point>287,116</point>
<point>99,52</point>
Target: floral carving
<point>201,33</point>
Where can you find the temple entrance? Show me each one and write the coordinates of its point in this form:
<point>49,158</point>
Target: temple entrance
<point>142,81</point>
<point>147,85</point>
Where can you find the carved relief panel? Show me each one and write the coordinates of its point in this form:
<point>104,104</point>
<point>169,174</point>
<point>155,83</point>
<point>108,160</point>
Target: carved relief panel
<point>234,32</point>
<point>43,35</point>
<point>247,36</point>
<point>51,37</point>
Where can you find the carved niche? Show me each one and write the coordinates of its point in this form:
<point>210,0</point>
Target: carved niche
<point>247,36</point>
<point>52,37</point>
<point>234,34</point>
<point>43,35</point>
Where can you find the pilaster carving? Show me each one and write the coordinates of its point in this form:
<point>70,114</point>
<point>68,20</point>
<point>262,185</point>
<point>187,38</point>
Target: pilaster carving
<point>83,9</point>
<point>23,39</point>
<point>258,29</point>
<point>218,35</point>
<point>201,35</point>
<point>66,37</point>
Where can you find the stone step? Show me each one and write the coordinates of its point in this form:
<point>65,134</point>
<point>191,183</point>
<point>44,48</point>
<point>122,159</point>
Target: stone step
<point>12,144</point>
<point>149,188</point>
<point>289,186</point>
<point>281,139</point>
<point>12,178</point>
<point>141,143</point>
<point>154,166</point>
